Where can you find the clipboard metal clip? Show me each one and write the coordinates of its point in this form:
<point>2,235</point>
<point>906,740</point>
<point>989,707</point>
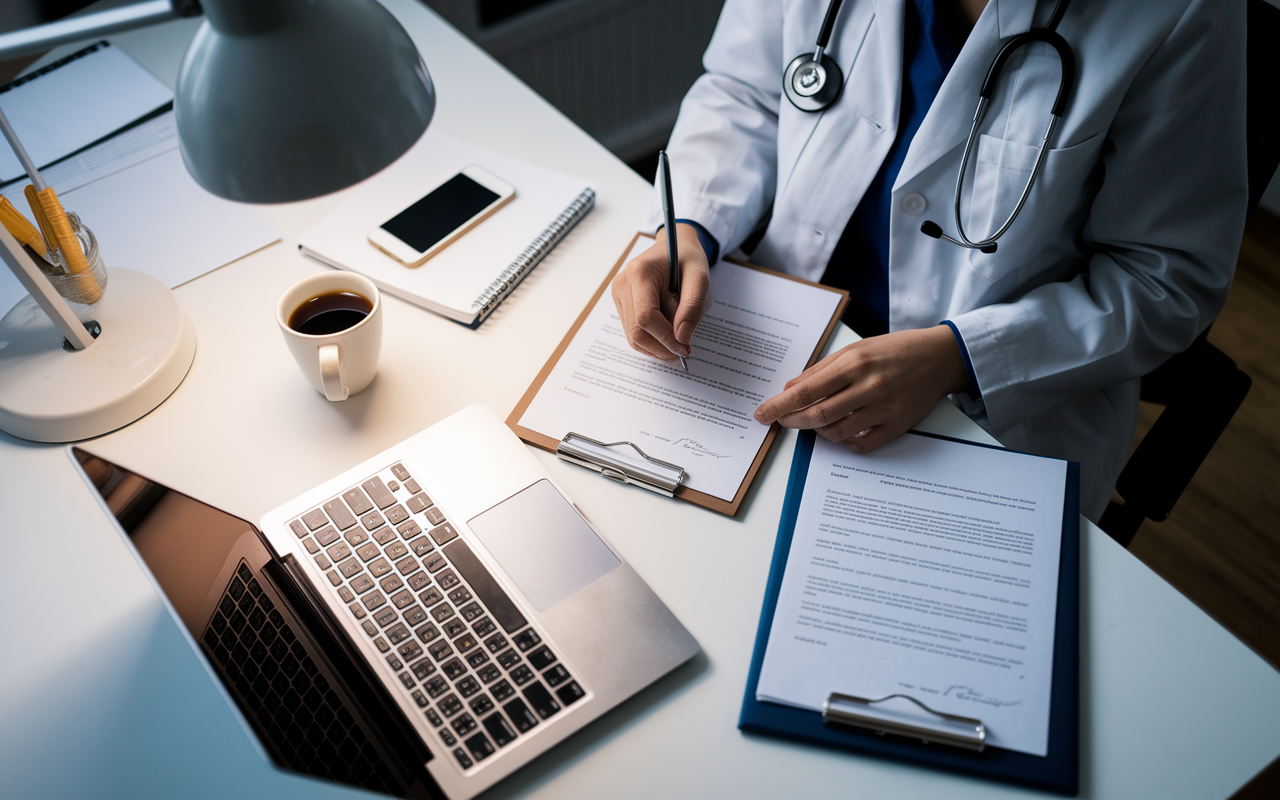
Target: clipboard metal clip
<point>636,469</point>
<point>950,729</point>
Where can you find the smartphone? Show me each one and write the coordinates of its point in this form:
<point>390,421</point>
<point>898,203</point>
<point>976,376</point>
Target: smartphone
<point>445,213</point>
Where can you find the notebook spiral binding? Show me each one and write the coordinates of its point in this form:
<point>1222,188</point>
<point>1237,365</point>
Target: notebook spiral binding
<point>545,242</point>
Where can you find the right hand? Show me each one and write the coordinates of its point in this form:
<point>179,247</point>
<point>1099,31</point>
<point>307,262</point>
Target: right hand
<point>654,323</point>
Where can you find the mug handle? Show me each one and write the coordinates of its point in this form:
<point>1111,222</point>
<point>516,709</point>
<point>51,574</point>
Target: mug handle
<point>335,388</point>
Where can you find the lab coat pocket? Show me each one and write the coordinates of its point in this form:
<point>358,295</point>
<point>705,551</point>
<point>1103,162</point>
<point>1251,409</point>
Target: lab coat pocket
<point>1001,169</point>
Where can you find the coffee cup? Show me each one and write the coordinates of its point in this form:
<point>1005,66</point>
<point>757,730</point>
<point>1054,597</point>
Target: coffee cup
<point>332,323</point>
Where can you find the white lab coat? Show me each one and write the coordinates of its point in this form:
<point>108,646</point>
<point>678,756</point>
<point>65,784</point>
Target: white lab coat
<point>1122,255</point>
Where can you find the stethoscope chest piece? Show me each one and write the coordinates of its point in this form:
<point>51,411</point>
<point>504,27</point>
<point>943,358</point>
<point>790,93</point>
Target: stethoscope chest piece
<point>812,84</point>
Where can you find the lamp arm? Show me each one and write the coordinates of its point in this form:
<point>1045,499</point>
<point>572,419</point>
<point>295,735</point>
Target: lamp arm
<point>34,281</point>
<point>139,15</point>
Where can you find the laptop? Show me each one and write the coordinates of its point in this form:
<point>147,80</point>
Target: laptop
<point>422,625</point>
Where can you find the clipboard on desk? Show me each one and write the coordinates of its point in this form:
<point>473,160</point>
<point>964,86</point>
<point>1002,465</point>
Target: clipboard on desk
<point>656,464</point>
<point>1057,771</point>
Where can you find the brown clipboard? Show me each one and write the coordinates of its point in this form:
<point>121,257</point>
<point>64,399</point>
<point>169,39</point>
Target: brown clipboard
<point>683,492</point>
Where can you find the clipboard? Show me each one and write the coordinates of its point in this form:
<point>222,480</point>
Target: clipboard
<point>1057,772</point>
<point>624,461</point>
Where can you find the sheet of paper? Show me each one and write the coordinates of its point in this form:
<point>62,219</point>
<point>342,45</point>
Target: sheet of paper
<point>74,104</point>
<point>146,210</point>
<point>757,334</point>
<point>927,568</point>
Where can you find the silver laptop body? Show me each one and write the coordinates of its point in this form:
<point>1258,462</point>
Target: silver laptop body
<point>449,616</point>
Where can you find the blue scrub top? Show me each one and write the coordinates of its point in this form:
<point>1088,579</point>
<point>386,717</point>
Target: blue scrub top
<point>860,262</point>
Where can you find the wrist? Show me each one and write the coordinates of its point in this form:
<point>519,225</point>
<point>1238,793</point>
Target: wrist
<point>953,377</point>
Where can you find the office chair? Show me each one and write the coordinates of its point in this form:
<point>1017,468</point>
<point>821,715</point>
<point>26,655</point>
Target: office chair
<point>1200,388</point>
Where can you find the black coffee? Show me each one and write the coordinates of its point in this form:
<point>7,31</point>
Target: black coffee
<point>329,313</point>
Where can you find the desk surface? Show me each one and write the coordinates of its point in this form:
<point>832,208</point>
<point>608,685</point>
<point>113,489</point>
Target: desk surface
<point>103,697</point>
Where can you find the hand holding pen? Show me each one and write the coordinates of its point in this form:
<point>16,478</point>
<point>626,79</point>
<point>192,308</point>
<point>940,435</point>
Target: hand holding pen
<point>662,293</point>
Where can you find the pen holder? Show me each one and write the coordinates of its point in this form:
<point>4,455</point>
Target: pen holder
<point>82,290</point>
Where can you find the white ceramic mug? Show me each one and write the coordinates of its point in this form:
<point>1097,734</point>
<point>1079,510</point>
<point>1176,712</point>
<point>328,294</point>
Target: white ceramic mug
<point>338,364</point>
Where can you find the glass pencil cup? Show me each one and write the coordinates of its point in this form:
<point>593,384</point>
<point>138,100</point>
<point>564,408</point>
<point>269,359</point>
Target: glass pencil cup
<point>82,291</point>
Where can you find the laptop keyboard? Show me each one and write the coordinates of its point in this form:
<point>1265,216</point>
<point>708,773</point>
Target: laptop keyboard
<point>465,654</point>
<point>282,686</point>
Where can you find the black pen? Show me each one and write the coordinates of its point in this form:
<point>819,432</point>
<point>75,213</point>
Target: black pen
<point>669,216</point>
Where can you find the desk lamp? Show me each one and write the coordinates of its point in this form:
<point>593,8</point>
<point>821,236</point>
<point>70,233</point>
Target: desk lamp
<point>276,100</point>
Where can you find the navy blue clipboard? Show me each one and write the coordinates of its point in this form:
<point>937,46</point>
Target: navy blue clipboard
<point>1057,772</point>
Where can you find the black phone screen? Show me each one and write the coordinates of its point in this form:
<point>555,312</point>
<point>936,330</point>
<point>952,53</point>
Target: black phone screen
<point>440,213</point>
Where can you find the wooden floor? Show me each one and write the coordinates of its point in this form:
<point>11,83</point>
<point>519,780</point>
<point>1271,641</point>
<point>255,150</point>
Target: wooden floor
<point>1221,546</point>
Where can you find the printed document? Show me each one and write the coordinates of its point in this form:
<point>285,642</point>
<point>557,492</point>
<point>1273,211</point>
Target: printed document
<point>759,331</point>
<point>927,568</point>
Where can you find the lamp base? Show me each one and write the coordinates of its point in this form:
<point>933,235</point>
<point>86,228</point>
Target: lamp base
<point>48,394</point>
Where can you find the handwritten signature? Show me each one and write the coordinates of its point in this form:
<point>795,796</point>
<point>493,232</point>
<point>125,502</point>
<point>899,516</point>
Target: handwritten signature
<point>690,444</point>
<point>974,696</point>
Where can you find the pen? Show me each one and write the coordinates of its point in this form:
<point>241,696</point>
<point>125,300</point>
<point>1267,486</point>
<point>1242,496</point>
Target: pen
<point>669,218</point>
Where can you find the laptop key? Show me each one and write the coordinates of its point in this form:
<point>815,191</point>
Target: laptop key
<point>465,643</point>
<point>361,583</point>
<point>467,686</point>
<point>441,533</point>
<point>520,714</point>
<point>448,579</point>
<point>385,616</point>
<point>441,612</point>
<point>480,747</point>
<point>499,729</point>
<point>449,705</point>
<point>436,686</point>
<point>322,562</point>
<point>369,628</point>
<point>570,693</point>
<point>450,740</point>
<point>355,537</point>
<point>408,530</point>
<point>394,662</point>
<point>334,577</point>
<point>409,650</point>
<point>371,520</point>
<point>541,658</point>
<point>407,566</point>
<point>373,600</point>
<point>411,486</point>
<point>421,546</point>
<point>480,705</point>
<point>430,597</point>
<point>298,528</point>
<point>484,586</point>
<point>477,658</point>
<point>435,516</point>
<point>378,492</point>
<point>433,717</point>
<point>495,643</point>
<point>390,584</point>
<point>509,659</point>
<point>346,594</point>
<point>440,650</point>
<point>420,698</point>
<point>383,535</point>
<point>396,514</point>
<point>358,501</point>
<point>315,518</point>
<point>379,568</point>
<point>460,595</point>
<point>502,690</point>
<point>423,668</point>
<point>399,471</point>
<point>453,627</point>
<point>414,615</point>
<point>471,612</point>
<point>540,699</point>
<point>398,633</point>
<point>556,675</point>
<point>326,535</point>
<point>357,610</point>
<point>464,724</point>
<point>426,633</point>
<point>368,552</point>
<point>339,552</point>
<point>393,486</point>
<point>453,669</point>
<point>418,503</point>
<point>350,567</point>
<point>406,679</point>
<point>489,674</point>
<point>340,514</point>
<point>381,644</point>
<point>434,562</point>
<point>402,598</point>
<point>311,545</point>
<point>521,674</point>
<point>463,759</point>
<point>527,639</point>
<point>484,627</point>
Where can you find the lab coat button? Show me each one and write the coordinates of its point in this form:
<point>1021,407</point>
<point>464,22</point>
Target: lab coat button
<point>914,203</point>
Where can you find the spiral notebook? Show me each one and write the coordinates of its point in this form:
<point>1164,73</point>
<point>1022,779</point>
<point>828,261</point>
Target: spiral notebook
<point>468,279</point>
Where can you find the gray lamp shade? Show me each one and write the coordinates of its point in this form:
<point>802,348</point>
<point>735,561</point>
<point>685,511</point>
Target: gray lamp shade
<point>281,100</point>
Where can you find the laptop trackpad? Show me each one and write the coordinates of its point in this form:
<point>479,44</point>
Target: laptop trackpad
<point>543,544</point>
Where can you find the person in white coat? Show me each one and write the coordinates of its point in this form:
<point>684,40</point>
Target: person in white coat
<point>1121,256</point>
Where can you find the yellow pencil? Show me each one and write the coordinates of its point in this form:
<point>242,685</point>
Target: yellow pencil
<point>21,227</point>
<point>73,259</point>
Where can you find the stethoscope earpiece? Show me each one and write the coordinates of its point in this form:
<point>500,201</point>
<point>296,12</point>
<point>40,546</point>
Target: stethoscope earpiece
<point>810,84</point>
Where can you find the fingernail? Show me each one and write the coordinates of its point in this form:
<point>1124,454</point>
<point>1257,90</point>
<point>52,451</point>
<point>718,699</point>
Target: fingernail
<point>684,332</point>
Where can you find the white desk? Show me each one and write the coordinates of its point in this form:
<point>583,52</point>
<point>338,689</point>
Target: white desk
<point>102,696</point>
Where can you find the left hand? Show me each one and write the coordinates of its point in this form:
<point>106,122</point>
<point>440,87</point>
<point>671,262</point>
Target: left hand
<point>872,391</point>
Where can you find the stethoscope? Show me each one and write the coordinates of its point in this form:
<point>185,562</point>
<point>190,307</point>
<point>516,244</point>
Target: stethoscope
<point>812,82</point>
